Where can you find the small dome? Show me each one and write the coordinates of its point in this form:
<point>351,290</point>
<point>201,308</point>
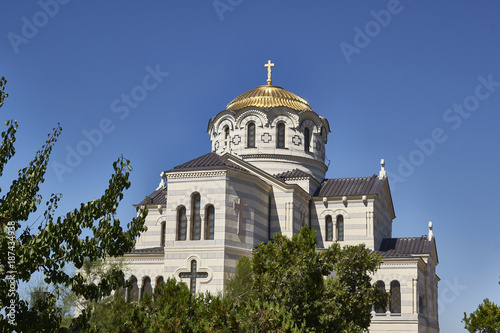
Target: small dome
<point>269,96</point>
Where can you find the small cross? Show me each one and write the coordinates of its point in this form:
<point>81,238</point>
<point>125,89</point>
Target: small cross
<point>193,275</point>
<point>266,137</point>
<point>269,65</point>
<point>241,208</point>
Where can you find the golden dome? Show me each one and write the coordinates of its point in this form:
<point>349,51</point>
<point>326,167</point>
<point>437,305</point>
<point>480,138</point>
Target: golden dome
<point>269,96</point>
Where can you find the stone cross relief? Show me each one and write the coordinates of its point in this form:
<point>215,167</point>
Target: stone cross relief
<point>241,207</point>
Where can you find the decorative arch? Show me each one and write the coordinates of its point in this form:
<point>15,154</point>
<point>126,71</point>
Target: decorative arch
<point>335,213</point>
<point>221,119</point>
<point>289,122</point>
<point>246,116</point>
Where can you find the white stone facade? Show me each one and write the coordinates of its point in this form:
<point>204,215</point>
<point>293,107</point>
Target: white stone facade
<point>258,185</point>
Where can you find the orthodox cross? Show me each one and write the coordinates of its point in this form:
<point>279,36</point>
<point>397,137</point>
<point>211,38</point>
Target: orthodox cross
<point>193,275</point>
<point>241,208</point>
<point>269,65</point>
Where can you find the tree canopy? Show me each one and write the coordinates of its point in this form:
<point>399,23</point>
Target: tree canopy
<point>89,232</point>
<point>282,288</point>
<point>486,319</point>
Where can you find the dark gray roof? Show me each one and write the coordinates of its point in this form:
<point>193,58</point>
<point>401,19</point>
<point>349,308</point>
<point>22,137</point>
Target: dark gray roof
<point>207,161</point>
<point>295,173</point>
<point>406,246</point>
<point>349,186</point>
<point>159,249</point>
<point>156,198</point>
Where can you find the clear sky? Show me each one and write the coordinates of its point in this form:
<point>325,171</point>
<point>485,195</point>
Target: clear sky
<point>414,82</point>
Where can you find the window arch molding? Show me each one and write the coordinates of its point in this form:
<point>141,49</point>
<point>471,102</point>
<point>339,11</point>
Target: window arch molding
<point>259,117</point>
<point>334,213</point>
<point>289,122</point>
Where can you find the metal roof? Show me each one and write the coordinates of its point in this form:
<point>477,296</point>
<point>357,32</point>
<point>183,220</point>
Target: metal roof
<point>405,246</point>
<point>350,186</point>
<point>295,173</point>
<point>159,249</point>
<point>207,161</point>
<point>158,197</point>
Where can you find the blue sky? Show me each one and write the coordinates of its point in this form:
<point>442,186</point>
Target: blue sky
<point>414,82</point>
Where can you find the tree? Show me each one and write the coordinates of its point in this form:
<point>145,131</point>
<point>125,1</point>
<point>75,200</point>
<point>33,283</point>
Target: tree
<point>289,275</point>
<point>486,319</point>
<point>57,241</point>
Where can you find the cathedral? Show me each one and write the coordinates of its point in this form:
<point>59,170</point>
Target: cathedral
<point>266,174</point>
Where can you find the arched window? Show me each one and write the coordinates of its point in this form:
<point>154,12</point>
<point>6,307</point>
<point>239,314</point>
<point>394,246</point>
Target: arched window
<point>159,280</point>
<point>226,136</point>
<point>196,223</point>
<point>146,287</point>
<point>280,134</point>
<point>340,228</point>
<point>251,135</point>
<point>162,234</point>
<point>329,228</point>
<point>307,139</point>
<point>380,285</point>
<point>395,301</point>
<point>133,291</point>
<point>181,223</point>
<point>210,222</point>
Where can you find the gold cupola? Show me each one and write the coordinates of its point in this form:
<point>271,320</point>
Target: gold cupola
<point>269,96</point>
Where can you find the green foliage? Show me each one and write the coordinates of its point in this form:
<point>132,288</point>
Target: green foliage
<point>281,289</point>
<point>57,241</point>
<point>290,274</point>
<point>486,319</point>
<point>240,284</point>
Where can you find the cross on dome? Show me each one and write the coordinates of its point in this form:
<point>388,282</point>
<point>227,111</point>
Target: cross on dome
<point>269,65</point>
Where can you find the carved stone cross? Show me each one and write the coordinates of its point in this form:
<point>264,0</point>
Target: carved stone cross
<point>241,208</point>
